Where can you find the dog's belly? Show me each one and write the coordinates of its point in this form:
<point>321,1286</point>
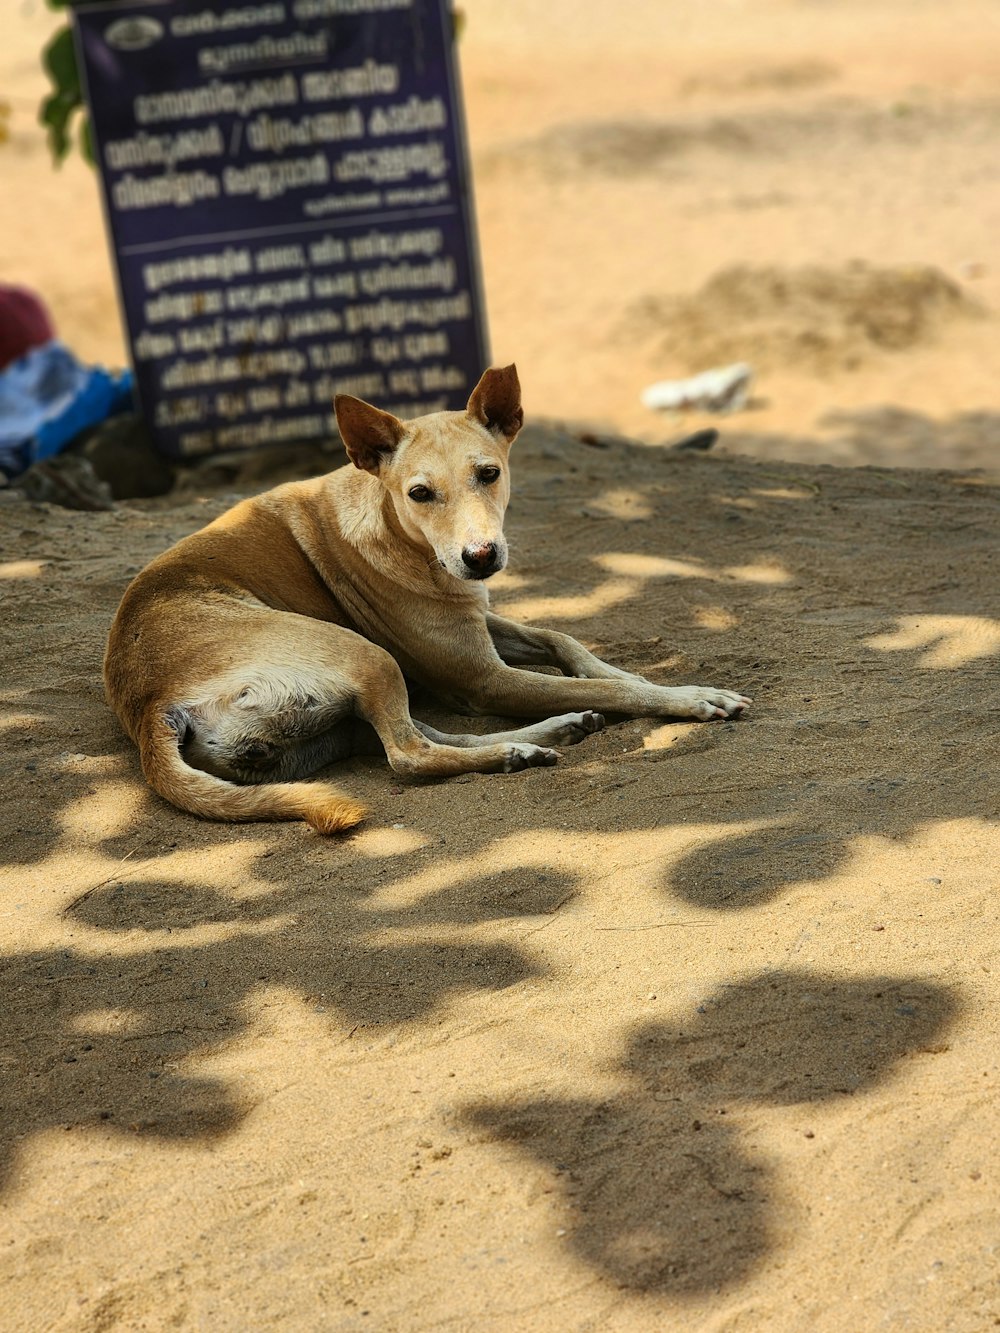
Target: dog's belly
<point>264,752</point>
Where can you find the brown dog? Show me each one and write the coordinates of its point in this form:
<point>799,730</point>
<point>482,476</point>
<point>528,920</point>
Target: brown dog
<point>277,639</point>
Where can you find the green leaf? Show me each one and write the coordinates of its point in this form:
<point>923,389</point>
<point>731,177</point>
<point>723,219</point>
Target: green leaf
<point>59,108</point>
<point>87,140</point>
<point>59,61</point>
<point>55,114</point>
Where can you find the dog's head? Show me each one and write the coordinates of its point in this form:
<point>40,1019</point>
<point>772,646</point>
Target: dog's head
<point>447,473</point>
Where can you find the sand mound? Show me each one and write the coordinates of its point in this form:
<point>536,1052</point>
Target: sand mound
<point>616,148</point>
<point>787,76</point>
<point>812,318</point>
<point>764,138</point>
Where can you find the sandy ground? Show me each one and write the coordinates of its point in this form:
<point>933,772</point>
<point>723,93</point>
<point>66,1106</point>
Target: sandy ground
<point>697,1030</point>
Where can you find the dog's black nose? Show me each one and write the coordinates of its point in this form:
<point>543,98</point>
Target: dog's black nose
<point>480,559</point>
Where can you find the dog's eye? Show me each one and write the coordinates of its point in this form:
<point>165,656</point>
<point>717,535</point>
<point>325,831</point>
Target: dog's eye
<point>421,494</point>
<point>488,475</point>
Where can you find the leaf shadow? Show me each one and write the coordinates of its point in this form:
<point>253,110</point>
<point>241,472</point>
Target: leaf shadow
<point>659,1189</point>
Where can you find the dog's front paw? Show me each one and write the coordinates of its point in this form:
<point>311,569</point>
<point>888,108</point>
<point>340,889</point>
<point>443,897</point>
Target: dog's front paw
<point>705,703</point>
<point>527,756</point>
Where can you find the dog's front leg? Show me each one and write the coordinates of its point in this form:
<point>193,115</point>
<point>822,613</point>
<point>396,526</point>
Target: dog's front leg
<point>509,691</point>
<point>418,751</point>
<point>525,645</point>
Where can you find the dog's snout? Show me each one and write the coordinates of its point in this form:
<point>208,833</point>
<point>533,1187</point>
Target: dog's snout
<point>480,559</point>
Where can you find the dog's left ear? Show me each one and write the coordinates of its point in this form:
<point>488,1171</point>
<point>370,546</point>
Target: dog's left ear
<point>370,435</point>
<point>496,401</point>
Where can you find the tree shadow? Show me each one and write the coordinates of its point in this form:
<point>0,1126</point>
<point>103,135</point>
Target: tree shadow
<point>741,872</point>
<point>99,1038</point>
<point>660,1190</point>
<point>883,436</point>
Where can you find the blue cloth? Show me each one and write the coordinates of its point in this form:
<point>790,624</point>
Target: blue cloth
<point>48,397</point>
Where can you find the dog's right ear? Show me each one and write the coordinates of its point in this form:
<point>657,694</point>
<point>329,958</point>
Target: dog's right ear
<point>369,434</point>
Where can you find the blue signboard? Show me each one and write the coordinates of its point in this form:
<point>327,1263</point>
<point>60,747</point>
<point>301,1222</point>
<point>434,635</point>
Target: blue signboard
<point>286,186</point>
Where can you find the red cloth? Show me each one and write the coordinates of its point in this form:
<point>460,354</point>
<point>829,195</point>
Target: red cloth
<point>24,323</point>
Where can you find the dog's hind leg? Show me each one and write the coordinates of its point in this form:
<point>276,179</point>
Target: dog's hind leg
<point>569,729</point>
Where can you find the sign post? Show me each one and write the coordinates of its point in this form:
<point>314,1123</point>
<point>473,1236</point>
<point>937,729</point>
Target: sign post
<point>287,190</point>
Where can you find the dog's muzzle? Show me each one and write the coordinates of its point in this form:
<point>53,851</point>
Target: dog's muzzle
<point>482,561</point>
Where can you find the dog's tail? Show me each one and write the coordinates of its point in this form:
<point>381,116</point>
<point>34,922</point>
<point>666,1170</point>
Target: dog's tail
<point>318,803</point>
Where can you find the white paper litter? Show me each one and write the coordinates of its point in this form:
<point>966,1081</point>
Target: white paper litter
<point>725,389</point>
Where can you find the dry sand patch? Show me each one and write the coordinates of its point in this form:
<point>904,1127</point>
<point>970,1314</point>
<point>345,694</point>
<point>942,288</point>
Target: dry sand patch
<point>695,1030</point>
